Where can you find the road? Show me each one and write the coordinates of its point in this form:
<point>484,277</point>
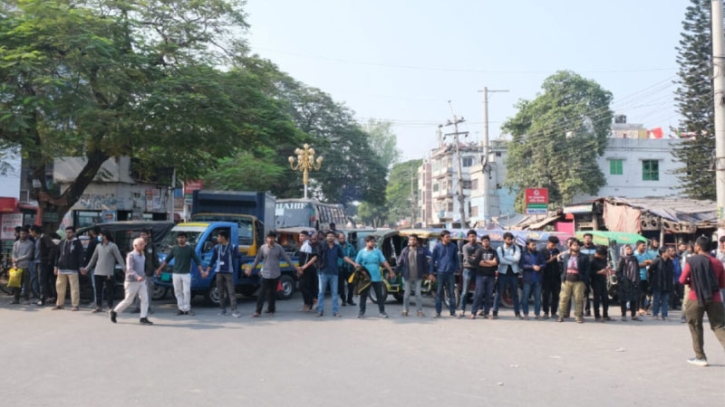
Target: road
<point>63,358</point>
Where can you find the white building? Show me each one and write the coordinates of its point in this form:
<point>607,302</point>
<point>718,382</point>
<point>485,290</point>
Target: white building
<point>501,199</point>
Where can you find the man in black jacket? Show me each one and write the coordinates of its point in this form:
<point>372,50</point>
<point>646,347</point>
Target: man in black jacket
<point>68,262</point>
<point>92,243</point>
<point>574,278</point>
<point>661,275</point>
<point>551,284</point>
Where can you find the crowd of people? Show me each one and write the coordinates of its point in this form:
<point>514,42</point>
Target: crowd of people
<point>649,281</point>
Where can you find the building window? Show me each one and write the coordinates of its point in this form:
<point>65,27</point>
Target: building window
<point>435,187</point>
<point>650,170</point>
<point>467,161</point>
<point>450,184</point>
<point>466,184</point>
<point>616,167</point>
<point>474,211</point>
<point>450,206</point>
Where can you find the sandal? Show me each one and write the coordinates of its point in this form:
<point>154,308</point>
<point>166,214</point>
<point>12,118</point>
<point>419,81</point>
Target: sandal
<point>404,313</point>
<point>256,315</point>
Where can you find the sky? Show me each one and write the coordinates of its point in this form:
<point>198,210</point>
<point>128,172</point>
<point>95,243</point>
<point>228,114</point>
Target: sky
<point>404,60</point>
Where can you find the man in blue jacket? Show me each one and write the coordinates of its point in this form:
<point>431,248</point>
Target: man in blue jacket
<point>413,263</point>
<point>443,263</point>
<point>509,256</point>
<point>532,265</point>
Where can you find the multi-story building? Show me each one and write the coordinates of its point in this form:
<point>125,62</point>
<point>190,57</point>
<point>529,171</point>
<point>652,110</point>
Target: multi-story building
<point>501,200</point>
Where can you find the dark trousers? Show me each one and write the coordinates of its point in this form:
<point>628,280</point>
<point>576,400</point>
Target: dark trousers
<point>551,288</point>
<point>308,286</point>
<point>268,290</point>
<point>345,295</point>
<point>25,283</point>
<point>225,287</point>
<point>644,295</point>
<point>109,283</point>
<point>483,297</point>
<point>715,313</point>
<point>677,294</point>
<point>378,287</point>
<point>599,288</point>
<point>631,296</point>
<point>512,282</point>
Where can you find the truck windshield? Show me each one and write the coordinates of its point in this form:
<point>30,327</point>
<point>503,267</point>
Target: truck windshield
<point>170,241</point>
<point>291,217</point>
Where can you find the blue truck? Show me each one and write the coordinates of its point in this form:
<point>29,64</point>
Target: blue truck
<point>203,237</point>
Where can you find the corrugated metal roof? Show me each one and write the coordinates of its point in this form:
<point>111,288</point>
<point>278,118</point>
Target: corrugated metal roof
<point>66,170</point>
<point>675,209</point>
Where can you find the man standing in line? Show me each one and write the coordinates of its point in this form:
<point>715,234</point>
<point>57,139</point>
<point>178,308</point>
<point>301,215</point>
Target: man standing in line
<point>413,264</point>
<point>329,273</point>
<point>705,276</point>
<point>443,264</point>
<point>225,259</point>
<point>35,286</point>
<point>46,263</point>
<point>90,249</point>
<point>67,264</point>
<point>644,258</point>
<point>532,265</point>
<point>182,254</point>
<point>270,255</point>
<point>134,284</point>
<point>600,271</point>
<point>588,249</point>
<point>574,277</point>
<point>551,284</point>
<point>469,269</point>
<point>689,252</point>
<point>487,262</point>
<point>345,270</point>
<point>509,256</point>
<point>104,259</point>
<point>151,265</point>
<point>661,275</point>
<point>22,256</point>
<point>677,288</point>
<point>372,258</point>
<point>308,270</point>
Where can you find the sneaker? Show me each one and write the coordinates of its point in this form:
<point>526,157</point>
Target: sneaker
<point>453,314</point>
<point>26,302</point>
<point>96,311</point>
<point>189,313</point>
<point>580,320</point>
<point>655,317</point>
<point>57,307</point>
<point>344,303</point>
<point>222,312</point>
<point>538,317</point>
<point>437,315</point>
<point>525,318</point>
<point>360,316</point>
<point>518,316</point>
<point>145,321</point>
<point>235,314</point>
<point>636,318</point>
<point>256,315</point>
<point>560,319</point>
<point>337,315</point>
<point>14,302</point>
<point>180,312</point>
<point>383,315</point>
<point>697,362</point>
<point>420,314</point>
<point>75,309</point>
<point>495,316</point>
<point>666,319</point>
<point>607,318</point>
<point>624,319</point>
<point>546,316</point>
<point>404,313</point>
<point>40,303</point>
<point>351,303</point>
<point>598,319</point>
<point>319,314</point>
<point>588,313</point>
<point>113,316</point>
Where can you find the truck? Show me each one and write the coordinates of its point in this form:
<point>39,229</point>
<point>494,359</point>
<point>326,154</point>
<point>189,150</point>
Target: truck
<point>202,236</point>
<point>253,212</point>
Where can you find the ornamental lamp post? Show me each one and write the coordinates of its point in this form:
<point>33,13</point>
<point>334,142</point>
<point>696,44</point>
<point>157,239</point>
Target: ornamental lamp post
<point>305,163</point>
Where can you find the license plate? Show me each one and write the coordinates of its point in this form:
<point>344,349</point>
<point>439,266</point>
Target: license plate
<point>166,277</point>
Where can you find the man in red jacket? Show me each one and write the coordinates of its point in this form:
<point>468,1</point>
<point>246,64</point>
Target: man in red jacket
<point>705,276</point>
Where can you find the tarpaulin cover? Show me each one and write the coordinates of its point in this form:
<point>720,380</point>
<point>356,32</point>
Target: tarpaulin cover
<point>622,218</point>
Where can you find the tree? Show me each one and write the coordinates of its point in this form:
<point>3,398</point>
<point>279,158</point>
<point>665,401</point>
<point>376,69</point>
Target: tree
<point>102,78</point>
<point>402,191</point>
<point>373,215</point>
<point>383,141</point>
<point>694,96</point>
<point>557,137</point>
<point>246,171</point>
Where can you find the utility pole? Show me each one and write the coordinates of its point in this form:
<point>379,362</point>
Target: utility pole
<point>485,162</point>
<point>413,204</point>
<point>455,134</point>
<point>718,65</point>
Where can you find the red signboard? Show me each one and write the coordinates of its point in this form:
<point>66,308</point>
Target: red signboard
<point>8,205</point>
<point>191,186</point>
<point>537,195</point>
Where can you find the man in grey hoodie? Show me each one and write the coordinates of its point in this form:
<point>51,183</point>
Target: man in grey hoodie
<point>23,250</point>
<point>270,255</point>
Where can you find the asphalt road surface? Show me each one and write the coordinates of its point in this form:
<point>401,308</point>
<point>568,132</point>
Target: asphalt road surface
<point>63,358</point>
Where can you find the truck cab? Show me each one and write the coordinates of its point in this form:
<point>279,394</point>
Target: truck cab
<point>202,236</point>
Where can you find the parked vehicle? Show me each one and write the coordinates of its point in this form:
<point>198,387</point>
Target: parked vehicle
<point>253,212</point>
<point>308,213</point>
<point>203,237</point>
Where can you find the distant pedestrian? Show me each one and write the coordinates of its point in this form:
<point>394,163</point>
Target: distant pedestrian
<point>677,288</point>
<point>329,273</point>
<point>104,259</point>
<point>270,256</point>
<point>93,239</point>
<point>487,264</point>
<point>705,276</point>
<point>509,256</point>
<point>22,256</point>
<point>628,283</point>
<point>661,277</point>
<point>135,282</point>
<point>150,267</point>
<point>68,263</point>
<point>644,258</point>
<point>686,287</point>
<point>307,255</point>
<point>413,264</point>
<point>532,266</point>
<point>444,264</point>
<point>575,275</point>
<point>225,260</point>
<point>182,254</point>
<point>468,275</point>
<point>345,270</point>
<point>35,275</point>
<point>551,278</point>
<point>600,271</point>
<point>372,258</point>
<point>48,249</point>
<point>588,248</point>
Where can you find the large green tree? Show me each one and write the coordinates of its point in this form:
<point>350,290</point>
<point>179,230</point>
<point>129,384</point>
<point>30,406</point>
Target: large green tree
<point>694,96</point>
<point>105,78</point>
<point>557,138</point>
<point>402,191</point>
<point>383,141</point>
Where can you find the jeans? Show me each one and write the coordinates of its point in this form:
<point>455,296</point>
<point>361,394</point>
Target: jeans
<point>308,286</point>
<point>46,282</point>
<point>466,278</point>
<point>133,289</point>
<point>378,287</point>
<point>225,287</point>
<point>715,313</point>
<point>35,278</point>
<point>528,289</point>
<point>448,280</point>
<point>416,285</point>
<point>551,289</point>
<point>484,294</point>
<point>325,280</point>
<point>182,291</point>
<point>91,274</point>
<point>601,296</point>
<point>18,291</point>
<point>268,291</point>
<point>660,299</point>
<point>110,285</point>
<point>576,290</point>
<point>512,281</point>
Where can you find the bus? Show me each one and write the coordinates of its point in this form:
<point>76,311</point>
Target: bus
<point>308,213</point>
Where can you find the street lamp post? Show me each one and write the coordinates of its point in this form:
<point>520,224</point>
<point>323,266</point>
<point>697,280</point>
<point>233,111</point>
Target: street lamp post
<point>305,163</point>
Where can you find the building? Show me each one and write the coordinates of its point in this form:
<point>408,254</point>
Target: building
<point>113,195</point>
<point>501,199</point>
<point>622,129</point>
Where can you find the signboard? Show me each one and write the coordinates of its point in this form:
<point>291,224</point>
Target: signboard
<point>108,216</point>
<point>191,186</point>
<point>9,222</point>
<point>536,201</point>
<point>188,199</point>
<point>8,205</point>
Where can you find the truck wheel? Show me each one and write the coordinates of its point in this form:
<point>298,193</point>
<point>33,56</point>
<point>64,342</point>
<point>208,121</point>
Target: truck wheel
<point>288,287</point>
<point>374,297</point>
<point>211,296</point>
<point>159,293</point>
